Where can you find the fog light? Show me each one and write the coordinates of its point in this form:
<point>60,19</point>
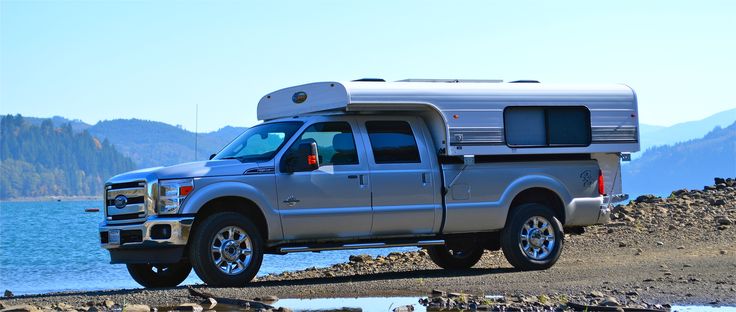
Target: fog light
<point>161,231</point>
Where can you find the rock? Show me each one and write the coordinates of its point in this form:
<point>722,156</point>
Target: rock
<point>22,308</point>
<point>680,192</point>
<point>63,306</point>
<point>137,308</point>
<point>722,227</point>
<point>270,298</point>
<point>190,307</point>
<point>438,293</point>
<point>360,258</point>
<point>94,309</point>
<point>723,220</point>
<point>648,198</point>
<point>709,188</point>
<point>632,293</point>
<point>108,304</point>
<point>621,244</point>
<point>404,308</point>
<point>719,202</point>
<point>680,247</point>
<point>596,294</point>
<point>8,294</point>
<point>660,243</point>
<point>210,303</point>
<point>610,302</point>
<point>687,265</point>
<point>723,252</point>
<point>719,181</point>
<point>283,309</point>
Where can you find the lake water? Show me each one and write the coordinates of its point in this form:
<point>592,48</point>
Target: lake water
<point>54,246</point>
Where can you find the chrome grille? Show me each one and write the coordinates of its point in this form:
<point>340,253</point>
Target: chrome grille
<point>135,208</point>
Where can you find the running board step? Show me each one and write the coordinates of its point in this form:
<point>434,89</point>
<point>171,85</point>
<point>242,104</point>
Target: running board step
<point>362,246</point>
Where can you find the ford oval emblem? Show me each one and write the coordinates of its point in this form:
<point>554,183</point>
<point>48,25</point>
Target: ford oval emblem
<point>299,97</point>
<point>121,201</point>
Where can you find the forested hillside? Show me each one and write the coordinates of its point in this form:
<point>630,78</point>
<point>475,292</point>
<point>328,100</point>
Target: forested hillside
<point>44,160</point>
<point>690,164</point>
<point>152,143</point>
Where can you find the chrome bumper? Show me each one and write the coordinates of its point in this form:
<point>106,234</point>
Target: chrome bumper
<point>604,216</point>
<point>139,235</point>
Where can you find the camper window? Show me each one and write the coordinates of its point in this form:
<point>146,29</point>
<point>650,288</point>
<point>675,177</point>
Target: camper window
<point>547,126</point>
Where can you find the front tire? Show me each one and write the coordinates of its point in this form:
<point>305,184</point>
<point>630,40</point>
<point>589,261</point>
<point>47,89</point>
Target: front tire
<point>226,250</point>
<point>159,275</point>
<point>455,258</point>
<point>532,238</point>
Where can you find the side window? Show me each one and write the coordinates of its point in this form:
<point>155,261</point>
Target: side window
<point>335,143</point>
<point>547,126</point>
<point>392,142</point>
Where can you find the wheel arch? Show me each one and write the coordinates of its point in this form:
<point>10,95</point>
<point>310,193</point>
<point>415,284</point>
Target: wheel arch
<point>538,189</point>
<point>236,197</point>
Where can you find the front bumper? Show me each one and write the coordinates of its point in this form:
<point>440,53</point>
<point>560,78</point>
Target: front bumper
<point>156,240</point>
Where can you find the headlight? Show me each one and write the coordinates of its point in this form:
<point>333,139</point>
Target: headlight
<point>171,194</point>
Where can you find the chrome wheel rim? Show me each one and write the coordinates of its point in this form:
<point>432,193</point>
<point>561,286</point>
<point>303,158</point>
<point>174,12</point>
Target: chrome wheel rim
<point>231,250</point>
<point>537,238</point>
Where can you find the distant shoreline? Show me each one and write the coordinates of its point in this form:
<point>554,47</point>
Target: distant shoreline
<point>50,198</point>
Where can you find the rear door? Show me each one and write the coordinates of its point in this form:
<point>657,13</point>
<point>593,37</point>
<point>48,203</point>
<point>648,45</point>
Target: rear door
<point>333,201</point>
<point>402,176</point>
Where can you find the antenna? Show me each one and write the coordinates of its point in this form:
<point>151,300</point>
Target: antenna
<point>196,128</point>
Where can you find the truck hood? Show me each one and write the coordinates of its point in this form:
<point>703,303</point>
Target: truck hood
<point>196,169</point>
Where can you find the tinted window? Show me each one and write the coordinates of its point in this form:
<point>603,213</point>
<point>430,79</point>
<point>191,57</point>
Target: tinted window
<point>547,126</point>
<point>335,143</point>
<point>392,142</point>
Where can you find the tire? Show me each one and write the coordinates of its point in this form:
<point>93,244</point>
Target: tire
<point>240,250</point>
<point>542,244</point>
<point>159,275</point>
<point>455,259</point>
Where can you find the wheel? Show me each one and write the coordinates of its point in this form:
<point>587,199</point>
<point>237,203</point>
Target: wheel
<point>159,275</point>
<point>455,257</point>
<point>533,237</point>
<point>226,250</point>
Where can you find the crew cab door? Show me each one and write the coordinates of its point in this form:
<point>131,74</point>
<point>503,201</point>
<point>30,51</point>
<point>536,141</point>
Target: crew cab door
<point>404,181</point>
<point>333,201</point>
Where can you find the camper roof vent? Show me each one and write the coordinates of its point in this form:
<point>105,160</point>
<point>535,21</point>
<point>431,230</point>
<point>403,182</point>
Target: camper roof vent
<point>454,80</point>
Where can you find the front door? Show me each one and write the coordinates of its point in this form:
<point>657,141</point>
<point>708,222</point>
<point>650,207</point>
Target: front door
<point>333,201</point>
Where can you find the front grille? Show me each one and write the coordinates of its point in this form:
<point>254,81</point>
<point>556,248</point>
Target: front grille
<point>134,209</point>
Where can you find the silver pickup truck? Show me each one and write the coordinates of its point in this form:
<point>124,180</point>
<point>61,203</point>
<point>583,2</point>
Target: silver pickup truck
<point>455,167</point>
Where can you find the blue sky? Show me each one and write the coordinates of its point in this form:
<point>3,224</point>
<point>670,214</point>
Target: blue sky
<point>96,60</point>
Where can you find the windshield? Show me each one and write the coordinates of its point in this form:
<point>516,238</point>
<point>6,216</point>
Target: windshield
<point>259,143</point>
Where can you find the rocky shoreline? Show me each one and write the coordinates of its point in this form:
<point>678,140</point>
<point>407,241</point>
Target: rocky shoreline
<point>656,252</point>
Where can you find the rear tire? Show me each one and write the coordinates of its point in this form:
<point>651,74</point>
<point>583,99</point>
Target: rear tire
<point>455,258</point>
<point>226,250</point>
<point>159,275</point>
<point>533,237</point>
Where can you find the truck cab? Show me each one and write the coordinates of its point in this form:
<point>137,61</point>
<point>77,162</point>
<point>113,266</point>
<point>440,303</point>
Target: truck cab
<point>454,167</point>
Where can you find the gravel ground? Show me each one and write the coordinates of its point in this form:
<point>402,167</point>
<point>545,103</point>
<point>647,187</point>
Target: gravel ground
<point>656,251</point>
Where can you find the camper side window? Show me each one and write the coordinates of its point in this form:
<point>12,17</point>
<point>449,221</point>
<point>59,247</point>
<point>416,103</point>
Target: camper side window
<point>547,126</point>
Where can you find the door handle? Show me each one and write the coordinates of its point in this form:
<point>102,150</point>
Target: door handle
<point>352,176</point>
<point>424,179</point>
<point>362,181</point>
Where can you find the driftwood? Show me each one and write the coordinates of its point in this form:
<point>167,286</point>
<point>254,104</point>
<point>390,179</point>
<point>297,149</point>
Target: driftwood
<point>239,302</point>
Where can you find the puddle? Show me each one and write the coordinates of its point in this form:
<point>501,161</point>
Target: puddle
<point>387,304</point>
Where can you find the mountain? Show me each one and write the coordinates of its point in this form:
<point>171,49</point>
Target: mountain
<point>46,160</point>
<point>152,143</point>
<point>689,164</point>
<point>659,135</point>
<point>58,122</point>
